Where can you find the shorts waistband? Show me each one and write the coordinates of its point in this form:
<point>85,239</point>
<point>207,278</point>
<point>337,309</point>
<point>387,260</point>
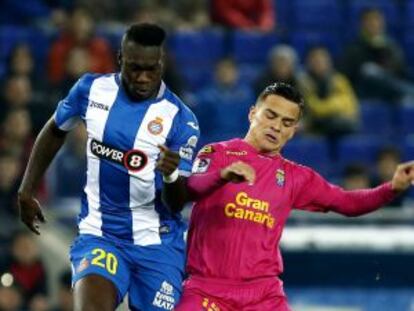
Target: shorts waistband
<point>236,283</point>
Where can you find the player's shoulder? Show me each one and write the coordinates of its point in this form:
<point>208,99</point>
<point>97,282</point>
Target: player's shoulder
<point>296,167</point>
<point>86,80</point>
<point>219,146</point>
<point>300,172</point>
<point>183,108</point>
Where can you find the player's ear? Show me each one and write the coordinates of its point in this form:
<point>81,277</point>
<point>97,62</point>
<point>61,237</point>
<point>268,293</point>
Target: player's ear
<point>292,133</point>
<point>119,56</point>
<point>252,113</point>
<point>163,59</point>
<point>295,129</point>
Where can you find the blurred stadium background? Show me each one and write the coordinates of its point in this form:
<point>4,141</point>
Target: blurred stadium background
<point>218,62</point>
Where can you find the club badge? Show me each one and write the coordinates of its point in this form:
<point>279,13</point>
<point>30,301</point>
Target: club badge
<point>280,177</point>
<point>155,126</point>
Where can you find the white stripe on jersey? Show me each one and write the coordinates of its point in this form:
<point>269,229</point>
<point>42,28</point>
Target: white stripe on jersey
<point>69,124</point>
<point>145,220</point>
<point>104,91</point>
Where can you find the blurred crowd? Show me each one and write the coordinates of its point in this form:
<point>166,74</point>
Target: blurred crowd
<point>220,55</point>
<point>24,278</point>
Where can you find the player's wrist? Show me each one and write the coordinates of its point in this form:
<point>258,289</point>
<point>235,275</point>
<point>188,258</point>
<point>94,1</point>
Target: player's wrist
<point>169,179</point>
<point>24,193</point>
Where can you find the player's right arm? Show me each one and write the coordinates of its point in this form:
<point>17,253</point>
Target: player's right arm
<point>47,144</point>
<point>51,138</point>
<point>210,171</point>
<point>238,172</point>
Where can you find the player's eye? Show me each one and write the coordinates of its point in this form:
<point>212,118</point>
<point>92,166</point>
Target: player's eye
<point>134,67</point>
<point>288,123</point>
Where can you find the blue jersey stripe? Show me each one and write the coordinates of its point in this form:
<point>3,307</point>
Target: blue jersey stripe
<point>84,207</point>
<point>120,130</point>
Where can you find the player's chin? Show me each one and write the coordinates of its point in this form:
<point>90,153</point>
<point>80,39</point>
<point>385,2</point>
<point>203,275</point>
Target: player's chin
<point>143,93</point>
<point>270,147</point>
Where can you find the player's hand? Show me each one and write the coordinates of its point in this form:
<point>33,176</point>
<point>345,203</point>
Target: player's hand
<point>168,161</point>
<point>30,212</point>
<point>238,172</point>
<point>403,176</point>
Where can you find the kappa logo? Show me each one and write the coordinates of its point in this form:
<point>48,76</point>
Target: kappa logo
<point>93,104</point>
<point>236,153</point>
<point>155,126</point>
<point>193,125</point>
<point>134,160</point>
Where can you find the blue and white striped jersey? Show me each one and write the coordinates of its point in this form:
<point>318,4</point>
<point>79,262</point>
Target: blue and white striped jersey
<point>121,197</point>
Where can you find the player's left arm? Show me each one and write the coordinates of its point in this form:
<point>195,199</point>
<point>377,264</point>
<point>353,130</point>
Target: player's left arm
<point>174,193</point>
<point>319,195</point>
<point>175,160</point>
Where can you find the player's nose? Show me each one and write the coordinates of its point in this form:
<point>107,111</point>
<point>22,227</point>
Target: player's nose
<point>276,125</point>
<point>143,78</point>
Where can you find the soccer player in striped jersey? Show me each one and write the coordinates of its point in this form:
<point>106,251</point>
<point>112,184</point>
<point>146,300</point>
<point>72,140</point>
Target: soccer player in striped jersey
<point>141,139</point>
<point>244,190</point>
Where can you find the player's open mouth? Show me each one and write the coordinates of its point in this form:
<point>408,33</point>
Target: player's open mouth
<point>272,138</point>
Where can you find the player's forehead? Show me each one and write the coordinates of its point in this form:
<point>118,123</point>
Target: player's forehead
<point>138,54</point>
<point>280,106</point>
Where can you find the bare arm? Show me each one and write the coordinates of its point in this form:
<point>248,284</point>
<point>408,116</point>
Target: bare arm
<point>175,194</point>
<point>47,144</point>
<point>174,191</point>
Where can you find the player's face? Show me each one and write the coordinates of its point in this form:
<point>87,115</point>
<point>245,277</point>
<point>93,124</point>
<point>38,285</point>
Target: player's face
<point>141,69</point>
<point>272,123</point>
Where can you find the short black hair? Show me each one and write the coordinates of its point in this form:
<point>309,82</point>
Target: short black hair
<point>145,34</point>
<point>284,90</point>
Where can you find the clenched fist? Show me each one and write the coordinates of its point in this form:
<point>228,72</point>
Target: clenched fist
<point>168,161</point>
<point>403,176</point>
<point>238,172</point>
<point>30,212</point>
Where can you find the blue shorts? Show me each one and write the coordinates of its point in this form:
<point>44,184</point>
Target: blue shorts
<point>151,275</point>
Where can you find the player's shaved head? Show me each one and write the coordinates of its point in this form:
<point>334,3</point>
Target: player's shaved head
<point>284,90</point>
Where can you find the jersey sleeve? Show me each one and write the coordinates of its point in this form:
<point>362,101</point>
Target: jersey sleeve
<point>206,176</point>
<point>209,159</point>
<point>68,113</point>
<point>313,193</point>
<point>184,140</point>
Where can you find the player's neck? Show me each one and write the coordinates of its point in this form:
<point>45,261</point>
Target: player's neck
<point>252,142</point>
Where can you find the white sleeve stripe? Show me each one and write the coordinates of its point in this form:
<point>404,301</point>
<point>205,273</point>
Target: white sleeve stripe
<point>68,124</point>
